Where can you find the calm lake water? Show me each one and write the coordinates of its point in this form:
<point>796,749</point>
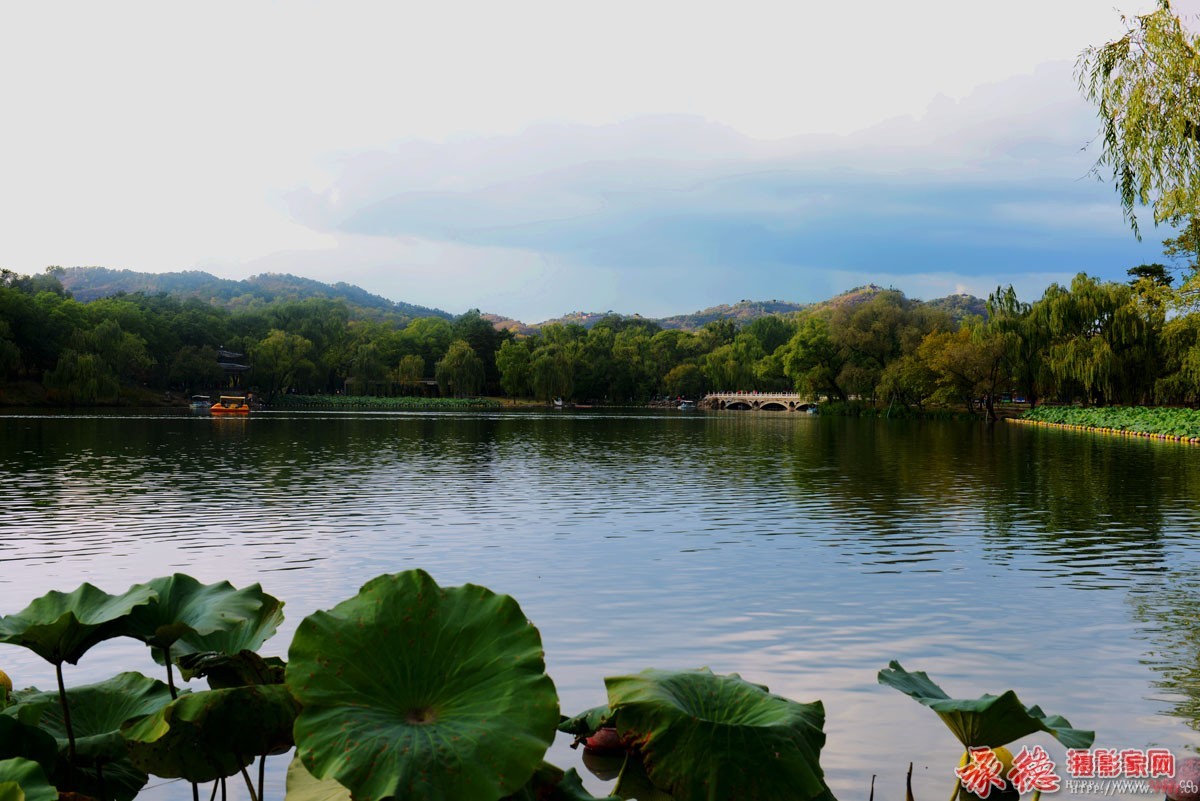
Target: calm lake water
<point>802,552</point>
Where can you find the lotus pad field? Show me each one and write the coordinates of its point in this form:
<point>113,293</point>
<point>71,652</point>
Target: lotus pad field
<point>1157,423</point>
<point>365,402</point>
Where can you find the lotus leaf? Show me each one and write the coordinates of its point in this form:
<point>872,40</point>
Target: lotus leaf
<point>632,782</point>
<point>185,607</point>
<point>23,780</point>
<point>990,720</point>
<point>705,737</point>
<point>303,786</point>
<point>97,712</point>
<point>248,635</point>
<point>61,627</point>
<point>27,742</point>
<point>239,670</point>
<point>571,789</point>
<point>417,691</point>
<point>212,734</point>
<point>549,783</point>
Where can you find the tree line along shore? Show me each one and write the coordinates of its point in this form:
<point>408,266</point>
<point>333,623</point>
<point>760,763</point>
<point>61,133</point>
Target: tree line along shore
<point>1092,343</point>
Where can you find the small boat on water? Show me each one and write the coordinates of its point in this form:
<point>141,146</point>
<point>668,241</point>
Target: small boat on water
<point>230,405</point>
<point>686,405</point>
<point>200,403</point>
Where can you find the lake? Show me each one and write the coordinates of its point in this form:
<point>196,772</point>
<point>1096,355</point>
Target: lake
<point>801,552</point>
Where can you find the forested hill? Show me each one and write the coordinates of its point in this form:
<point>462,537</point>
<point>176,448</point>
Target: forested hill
<point>91,283</point>
<point>747,311</point>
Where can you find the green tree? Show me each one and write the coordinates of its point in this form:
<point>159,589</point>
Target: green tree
<point>410,372</point>
<point>771,332</point>
<point>513,362</point>
<point>10,354</point>
<point>368,371</point>
<point>282,361</point>
<point>1101,342</point>
<point>552,372</point>
<point>1023,341</point>
<point>731,366</point>
<point>815,362</point>
<point>485,339</point>
<point>966,364</point>
<point>195,367</point>
<point>82,378</point>
<point>1155,273</point>
<point>684,380</point>
<point>1146,87</point>
<point>460,372</point>
<point>427,337</point>
<point>124,353</point>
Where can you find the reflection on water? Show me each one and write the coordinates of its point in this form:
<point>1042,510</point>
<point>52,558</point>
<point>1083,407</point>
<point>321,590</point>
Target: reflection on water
<point>803,553</point>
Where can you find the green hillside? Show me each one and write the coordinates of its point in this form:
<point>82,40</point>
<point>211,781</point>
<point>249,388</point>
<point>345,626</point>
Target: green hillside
<point>91,283</point>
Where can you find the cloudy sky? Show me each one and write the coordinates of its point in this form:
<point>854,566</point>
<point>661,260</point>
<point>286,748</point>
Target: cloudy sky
<point>532,158</point>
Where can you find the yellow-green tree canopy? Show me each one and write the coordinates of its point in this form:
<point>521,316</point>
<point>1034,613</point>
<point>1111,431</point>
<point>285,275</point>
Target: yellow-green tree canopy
<point>1146,86</point>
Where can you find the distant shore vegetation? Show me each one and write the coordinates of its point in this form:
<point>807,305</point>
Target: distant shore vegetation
<point>1091,342</point>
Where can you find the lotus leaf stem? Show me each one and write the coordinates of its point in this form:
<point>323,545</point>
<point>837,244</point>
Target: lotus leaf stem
<point>62,699</point>
<point>216,784</point>
<point>166,652</point>
<point>962,763</point>
<point>245,775</point>
<point>262,771</point>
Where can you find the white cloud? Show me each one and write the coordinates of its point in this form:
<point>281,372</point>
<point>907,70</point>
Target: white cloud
<point>531,148</point>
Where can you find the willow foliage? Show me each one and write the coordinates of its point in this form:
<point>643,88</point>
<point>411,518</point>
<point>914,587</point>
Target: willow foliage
<point>1146,86</point>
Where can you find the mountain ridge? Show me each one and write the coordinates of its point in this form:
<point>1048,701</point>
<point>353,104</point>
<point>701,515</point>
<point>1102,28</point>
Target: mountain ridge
<point>91,283</point>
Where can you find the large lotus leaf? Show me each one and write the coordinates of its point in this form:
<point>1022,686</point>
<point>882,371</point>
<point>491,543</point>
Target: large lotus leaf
<point>61,627</point>
<point>991,720</point>
<point>705,737</point>
<point>632,782</point>
<point>303,786</point>
<point>549,783</point>
<point>97,712</point>
<point>248,635</point>
<point>417,691</point>
<point>207,735</point>
<point>116,780</point>
<point>27,742</point>
<point>236,670</point>
<point>183,606</point>
<point>24,780</point>
<point>571,789</point>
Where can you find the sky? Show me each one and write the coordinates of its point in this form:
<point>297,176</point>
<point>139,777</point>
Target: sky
<point>532,158</point>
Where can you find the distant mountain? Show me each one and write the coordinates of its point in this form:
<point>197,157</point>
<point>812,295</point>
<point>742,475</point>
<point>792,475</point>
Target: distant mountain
<point>501,323</point>
<point>747,311</point>
<point>960,306</point>
<point>957,306</point>
<point>90,283</point>
<point>743,312</point>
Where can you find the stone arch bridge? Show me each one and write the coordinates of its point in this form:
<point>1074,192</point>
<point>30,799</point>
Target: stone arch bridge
<point>759,401</point>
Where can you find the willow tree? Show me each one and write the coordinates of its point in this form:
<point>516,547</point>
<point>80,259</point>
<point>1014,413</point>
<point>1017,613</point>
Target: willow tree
<point>460,372</point>
<point>1146,86</point>
<point>1101,345</point>
<point>1024,341</point>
